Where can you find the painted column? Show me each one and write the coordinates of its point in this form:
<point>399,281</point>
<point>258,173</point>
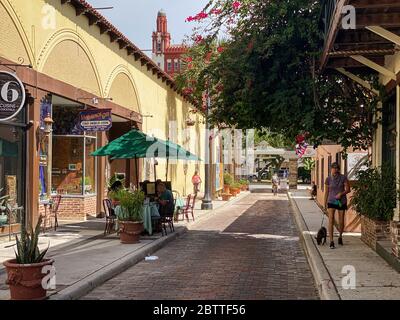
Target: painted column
<point>293,173</point>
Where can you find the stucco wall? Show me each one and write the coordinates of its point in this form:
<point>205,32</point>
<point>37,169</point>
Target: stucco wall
<point>57,42</point>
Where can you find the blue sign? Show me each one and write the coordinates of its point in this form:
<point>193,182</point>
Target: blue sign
<point>95,120</point>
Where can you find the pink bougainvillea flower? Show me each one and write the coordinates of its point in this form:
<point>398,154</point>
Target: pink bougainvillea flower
<point>189,19</point>
<point>220,49</point>
<point>236,6</point>
<point>216,11</point>
<point>198,39</point>
<point>189,59</point>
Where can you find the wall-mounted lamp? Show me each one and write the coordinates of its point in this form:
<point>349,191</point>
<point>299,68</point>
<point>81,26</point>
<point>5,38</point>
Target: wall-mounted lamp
<point>48,125</point>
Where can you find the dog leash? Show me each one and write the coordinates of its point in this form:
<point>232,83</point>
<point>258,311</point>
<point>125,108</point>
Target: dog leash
<point>323,218</point>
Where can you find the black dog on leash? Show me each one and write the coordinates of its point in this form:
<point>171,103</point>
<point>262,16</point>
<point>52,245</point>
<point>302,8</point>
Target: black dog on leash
<point>321,236</point>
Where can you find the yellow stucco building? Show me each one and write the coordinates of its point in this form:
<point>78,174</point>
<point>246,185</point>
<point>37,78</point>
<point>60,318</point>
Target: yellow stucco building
<point>70,58</point>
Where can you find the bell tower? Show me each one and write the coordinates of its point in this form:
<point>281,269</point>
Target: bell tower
<point>161,39</point>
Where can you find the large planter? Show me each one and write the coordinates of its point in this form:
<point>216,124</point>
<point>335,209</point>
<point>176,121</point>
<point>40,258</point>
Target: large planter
<point>129,231</point>
<point>25,280</point>
<point>226,197</point>
<point>226,189</point>
<point>373,231</point>
<point>244,187</point>
<point>234,191</point>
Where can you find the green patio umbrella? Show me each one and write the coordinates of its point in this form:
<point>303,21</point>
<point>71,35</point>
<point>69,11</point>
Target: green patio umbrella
<point>133,140</point>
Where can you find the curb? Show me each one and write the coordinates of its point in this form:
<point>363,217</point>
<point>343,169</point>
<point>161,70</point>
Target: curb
<point>97,278</point>
<point>87,284</point>
<point>325,284</point>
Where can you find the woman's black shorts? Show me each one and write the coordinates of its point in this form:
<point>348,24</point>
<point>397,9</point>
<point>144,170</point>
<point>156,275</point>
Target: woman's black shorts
<point>336,207</point>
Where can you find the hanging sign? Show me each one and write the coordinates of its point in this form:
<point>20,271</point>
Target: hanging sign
<point>95,120</point>
<point>12,95</point>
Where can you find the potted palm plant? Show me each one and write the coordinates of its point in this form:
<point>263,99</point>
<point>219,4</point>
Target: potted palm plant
<point>25,273</point>
<point>374,198</point>
<point>129,214</point>
<point>4,206</point>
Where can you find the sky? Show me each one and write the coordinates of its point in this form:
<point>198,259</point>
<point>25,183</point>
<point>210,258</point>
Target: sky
<point>137,18</point>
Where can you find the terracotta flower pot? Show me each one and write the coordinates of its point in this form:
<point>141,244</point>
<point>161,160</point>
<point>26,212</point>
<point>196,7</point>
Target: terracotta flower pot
<point>226,189</point>
<point>25,280</point>
<point>226,197</point>
<point>234,191</point>
<point>129,231</point>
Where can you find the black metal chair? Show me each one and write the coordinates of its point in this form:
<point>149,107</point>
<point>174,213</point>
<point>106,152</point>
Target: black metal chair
<point>110,216</point>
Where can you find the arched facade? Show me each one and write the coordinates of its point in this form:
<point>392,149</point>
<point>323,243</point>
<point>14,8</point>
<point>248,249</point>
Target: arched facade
<point>77,62</point>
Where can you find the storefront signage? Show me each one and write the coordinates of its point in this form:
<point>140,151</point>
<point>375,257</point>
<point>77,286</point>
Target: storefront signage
<point>12,96</point>
<point>95,120</point>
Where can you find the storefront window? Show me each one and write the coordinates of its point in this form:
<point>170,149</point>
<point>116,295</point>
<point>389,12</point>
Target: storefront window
<point>73,168</point>
<point>12,165</point>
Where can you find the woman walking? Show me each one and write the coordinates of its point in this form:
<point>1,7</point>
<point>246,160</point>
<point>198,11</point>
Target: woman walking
<point>337,188</point>
<point>196,180</point>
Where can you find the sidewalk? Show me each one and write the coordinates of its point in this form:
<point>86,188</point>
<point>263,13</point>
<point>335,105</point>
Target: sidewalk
<point>84,258</point>
<point>375,279</point>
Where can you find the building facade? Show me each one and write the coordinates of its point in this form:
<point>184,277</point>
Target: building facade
<point>168,57</point>
<point>369,46</point>
<point>71,60</point>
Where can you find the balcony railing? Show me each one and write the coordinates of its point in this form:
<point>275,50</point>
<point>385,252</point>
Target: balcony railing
<point>327,11</point>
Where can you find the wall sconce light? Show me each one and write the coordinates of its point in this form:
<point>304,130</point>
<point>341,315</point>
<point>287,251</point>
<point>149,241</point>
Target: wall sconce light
<point>48,125</point>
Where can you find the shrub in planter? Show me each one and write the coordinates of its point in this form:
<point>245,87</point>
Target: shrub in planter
<point>25,272</point>
<point>130,215</point>
<point>374,198</point>
<point>228,180</point>
<point>244,184</point>
<point>235,188</point>
<point>226,196</point>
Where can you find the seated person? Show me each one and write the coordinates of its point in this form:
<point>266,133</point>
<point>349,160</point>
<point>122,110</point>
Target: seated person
<point>166,200</point>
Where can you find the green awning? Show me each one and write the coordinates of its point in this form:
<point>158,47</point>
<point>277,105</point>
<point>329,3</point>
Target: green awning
<point>136,144</point>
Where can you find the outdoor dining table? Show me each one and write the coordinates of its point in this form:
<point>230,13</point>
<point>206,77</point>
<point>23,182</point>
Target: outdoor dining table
<point>149,211</point>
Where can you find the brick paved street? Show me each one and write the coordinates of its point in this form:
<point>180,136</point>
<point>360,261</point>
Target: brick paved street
<point>249,250</point>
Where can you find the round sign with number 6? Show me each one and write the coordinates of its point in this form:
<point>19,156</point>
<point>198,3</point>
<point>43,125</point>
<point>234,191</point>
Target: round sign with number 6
<point>12,95</point>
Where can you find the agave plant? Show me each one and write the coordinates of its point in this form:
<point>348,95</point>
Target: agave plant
<point>27,245</point>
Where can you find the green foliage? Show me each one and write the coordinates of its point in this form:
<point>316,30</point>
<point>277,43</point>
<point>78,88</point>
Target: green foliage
<point>309,164</point>
<point>375,193</point>
<point>266,77</point>
<point>244,182</point>
<point>228,179</point>
<point>131,204</point>
<point>27,245</point>
<point>235,185</point>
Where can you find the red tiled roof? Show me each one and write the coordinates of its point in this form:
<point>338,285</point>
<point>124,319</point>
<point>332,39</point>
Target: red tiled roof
<point>95,17</point>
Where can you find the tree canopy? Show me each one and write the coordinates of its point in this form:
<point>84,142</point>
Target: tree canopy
<point>262,74</point>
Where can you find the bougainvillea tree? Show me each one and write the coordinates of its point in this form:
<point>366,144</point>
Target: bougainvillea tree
<point>263,73</point>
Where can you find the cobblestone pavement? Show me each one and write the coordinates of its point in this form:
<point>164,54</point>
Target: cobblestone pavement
<point>248,250</point>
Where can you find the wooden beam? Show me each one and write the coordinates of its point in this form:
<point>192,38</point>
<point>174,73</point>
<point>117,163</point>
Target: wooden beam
<point>143,61</point>
<point>80,10</point>
<point>122,44</point>
<point>130,50</point>
<point>92,19</point>
<point>369,63</point>
<point>347,62</point>
<point>389,19</point>
<point>104,28</point>
<point>113,36</point>
<point>392,37</point>
<point>357,79</point>
<point>149,66</point>
<point>332,33</point>
<point>373,4</point>
<point>137,56</point>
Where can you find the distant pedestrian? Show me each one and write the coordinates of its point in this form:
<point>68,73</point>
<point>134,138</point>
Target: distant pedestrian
<point>196,180</point>
<point>275,184</point>
<point>337,188</point>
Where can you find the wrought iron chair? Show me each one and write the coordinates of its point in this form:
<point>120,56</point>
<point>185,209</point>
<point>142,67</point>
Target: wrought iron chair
<point>189,208</point>
<point>56,200</point>
<point>110,216</point>
<point>168,219</point>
